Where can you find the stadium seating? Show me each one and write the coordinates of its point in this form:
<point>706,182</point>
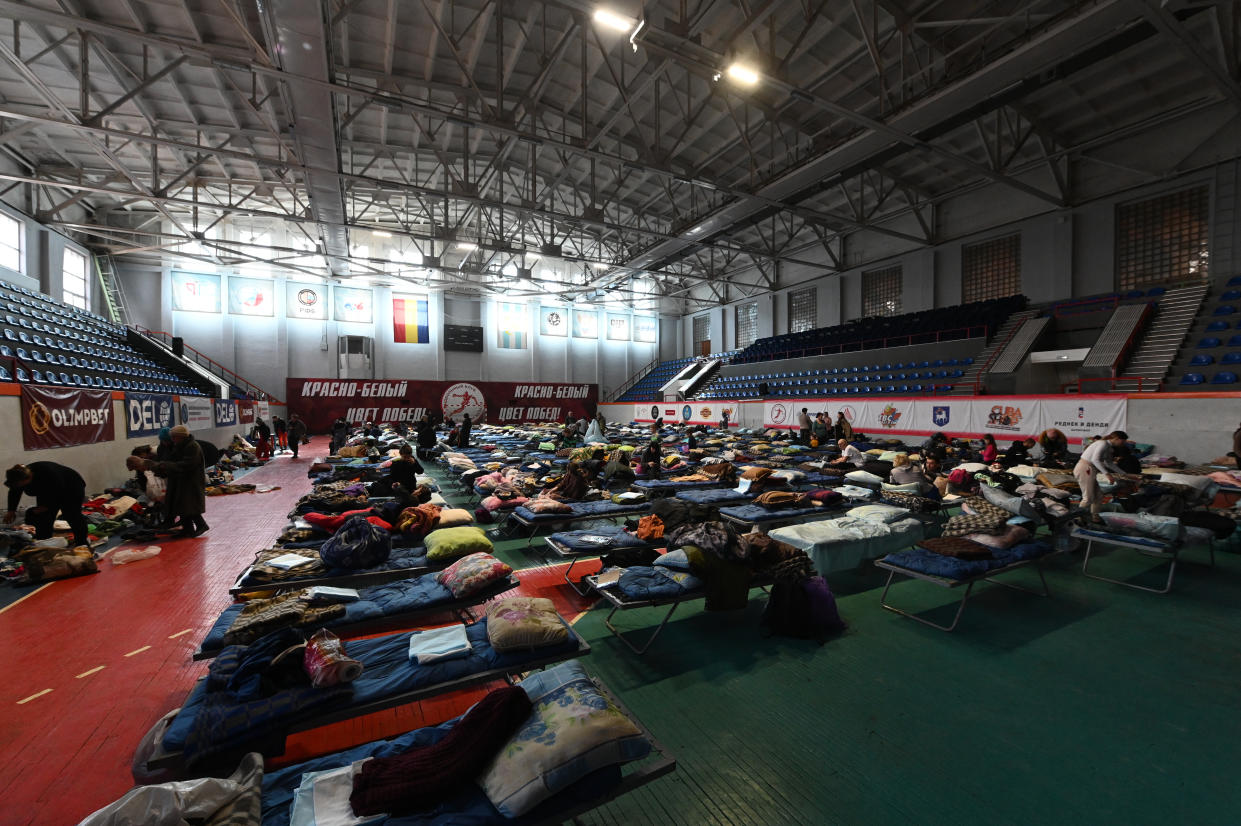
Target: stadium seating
<point>54,343</point>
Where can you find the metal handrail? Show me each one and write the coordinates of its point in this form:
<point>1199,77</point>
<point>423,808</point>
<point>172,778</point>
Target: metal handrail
<point>642,373</point>
<point>211,364</point>
<point>951,334</point>
<point>1141,380</point>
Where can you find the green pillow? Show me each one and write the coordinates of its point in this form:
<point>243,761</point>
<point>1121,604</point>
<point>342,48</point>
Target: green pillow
<point>453,543</point>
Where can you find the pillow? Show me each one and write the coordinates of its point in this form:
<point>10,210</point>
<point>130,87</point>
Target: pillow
<point>453,543</point>
<point>863,477</point>
<point>522,623</point>
<point>885,514</point>
<point>454,518</point>
<point>908,487</point>
<point>676,560</point>
<point>1167,528</point>
<point>574,730</point>
<point>472,573</point>
<point>1202,484</point>
<point>972,467</point>
<point>794,477</point>
<point>890,455</point>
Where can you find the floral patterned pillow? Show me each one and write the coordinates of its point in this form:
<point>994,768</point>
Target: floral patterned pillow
<point>522,623</point>
<point>574,730</point>
<point>472,573</point>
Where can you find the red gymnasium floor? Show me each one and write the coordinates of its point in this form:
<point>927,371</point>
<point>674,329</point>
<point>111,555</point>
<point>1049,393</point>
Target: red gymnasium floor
<point>91,663</point>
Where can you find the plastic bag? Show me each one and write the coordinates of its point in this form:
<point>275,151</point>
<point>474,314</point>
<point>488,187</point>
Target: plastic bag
<point>127,555</point>
<point>157,488</point>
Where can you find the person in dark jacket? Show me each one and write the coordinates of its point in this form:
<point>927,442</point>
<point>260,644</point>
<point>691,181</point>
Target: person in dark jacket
<point>404,470</point>
<point>281,431</point>
<point>262,438</point>
<point>340,433</point>
<point>187,482</point>
<point>426,436</point>
<point>57,491</point>
<point>463,435</point>
<point>297,432</point>
<point>651,458</point>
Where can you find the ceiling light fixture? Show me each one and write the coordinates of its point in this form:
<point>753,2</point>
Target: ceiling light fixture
<point>612,20</point>
<point>743,74</point>
<point>381,233</point>
<point>466,245</point>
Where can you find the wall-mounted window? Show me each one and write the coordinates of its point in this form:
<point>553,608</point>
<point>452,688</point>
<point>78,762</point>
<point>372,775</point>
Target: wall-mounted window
<point>702,335</point>
<point>73,279</point>
<point>12,239</point>
<point>803,310</point>
<point>1163,239</point>
<point>991,269</point>
<point>747,324</point>
<point>881,292</point>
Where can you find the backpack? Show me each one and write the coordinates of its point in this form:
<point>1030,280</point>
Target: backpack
<point>800,604</point>
<point>357,544</point>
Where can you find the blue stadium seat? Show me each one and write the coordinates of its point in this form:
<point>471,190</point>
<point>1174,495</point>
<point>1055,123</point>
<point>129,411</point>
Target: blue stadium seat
<point>967,361</point>
<point>36,376</point>
<point>1207,343</point>
<point>22,375</point>
<point>1224,377</point>
<point>1201,360</point>
<point>1155,292</point>
<point>64,379</point>
<point>1231,358</point>
<point>1235,341</point>
<point>1224,309</point>
<point>1216,326</point>
<point>5,375</point>
<point>1231,295</point>
<point>1134,294</point>
<point>1193,378</point>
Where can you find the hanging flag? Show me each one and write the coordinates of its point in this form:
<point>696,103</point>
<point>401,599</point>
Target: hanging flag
<point>511,331</point>
<point>411,323</point>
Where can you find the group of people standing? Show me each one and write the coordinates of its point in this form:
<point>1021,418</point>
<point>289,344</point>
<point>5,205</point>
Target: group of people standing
<point>817,430</point>
<point>279,437</point>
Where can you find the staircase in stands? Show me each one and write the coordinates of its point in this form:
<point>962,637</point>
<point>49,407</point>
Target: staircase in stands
<point>970,383</point>
<point>1164,338</point>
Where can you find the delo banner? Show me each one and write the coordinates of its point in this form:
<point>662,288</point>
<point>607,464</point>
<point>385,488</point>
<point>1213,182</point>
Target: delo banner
<point>147,413</point>
<point>1007,418</point>
<point>60,417</point>
<point>225,413</point>
<point>321,401</point>
<point>196,413</point>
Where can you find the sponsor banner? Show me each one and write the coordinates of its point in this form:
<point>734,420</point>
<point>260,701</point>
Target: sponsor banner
<point>60,417</point>
<point>351,304</point>
<point>197,413</point>
<point>1084,416</point>
<point>251,296</point>
<point>585,323</point>
<point>553,321</point>
<point>321,401</point>
<point>1007,418</point>
<point>305,301</point>
<point>245,412</point>
<point>949,414</point>
<point>225,413</point>
<point>263,411</point>
<point>147,413</point>
<point>644,328</point>
<point>196,292</point>
<point>618,327</point>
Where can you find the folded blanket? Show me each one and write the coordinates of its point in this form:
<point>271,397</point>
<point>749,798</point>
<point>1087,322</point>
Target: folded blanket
<point>955,546</point>
<point>437,644</point>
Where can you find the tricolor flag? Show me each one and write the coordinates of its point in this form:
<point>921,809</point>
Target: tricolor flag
<point>410,321</point>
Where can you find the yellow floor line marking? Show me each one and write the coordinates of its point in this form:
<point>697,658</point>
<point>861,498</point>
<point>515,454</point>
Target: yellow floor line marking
<point>33,696</point>
<point>23,599</point>
<point>180,634</point>
<point>92,671</point>
<point>137,650</point>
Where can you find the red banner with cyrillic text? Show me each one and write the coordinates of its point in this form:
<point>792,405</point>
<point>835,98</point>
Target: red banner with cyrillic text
<point>60,417</point>
<point>321,401</point>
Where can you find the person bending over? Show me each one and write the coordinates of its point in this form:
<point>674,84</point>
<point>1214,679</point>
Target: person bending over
<point>57,491</point>
<point>1097,460</point>
<point>849,455</point>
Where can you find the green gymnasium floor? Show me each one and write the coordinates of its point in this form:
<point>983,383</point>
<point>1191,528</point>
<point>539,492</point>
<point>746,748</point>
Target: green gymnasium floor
<point>1096,705</point>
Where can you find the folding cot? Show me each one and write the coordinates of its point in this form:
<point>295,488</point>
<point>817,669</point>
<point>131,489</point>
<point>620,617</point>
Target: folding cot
<point>590,542</point>
<point>404,563</point>
<point>470,805</point>
<point>579,511</point>
<point>752,517</point>
<point>951,572</point>
<point>714,496</point>
<point>380,606</point>
<point>620,602</point>
<point>1150,546</point>
<point>389,679</point>
<point>668,487</point>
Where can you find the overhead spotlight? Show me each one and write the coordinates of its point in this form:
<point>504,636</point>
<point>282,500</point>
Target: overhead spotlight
<point>381,233</point>
<point>466,245</point>
<point>612,20</point>
<point>742,74</point>
<point>600,266</point>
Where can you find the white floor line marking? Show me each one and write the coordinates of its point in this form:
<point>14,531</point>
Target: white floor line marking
<point>179,633</point>
<point>28,596</point>
<point>137,650</point>
<point>92,671</point>
<point>33,696</point>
